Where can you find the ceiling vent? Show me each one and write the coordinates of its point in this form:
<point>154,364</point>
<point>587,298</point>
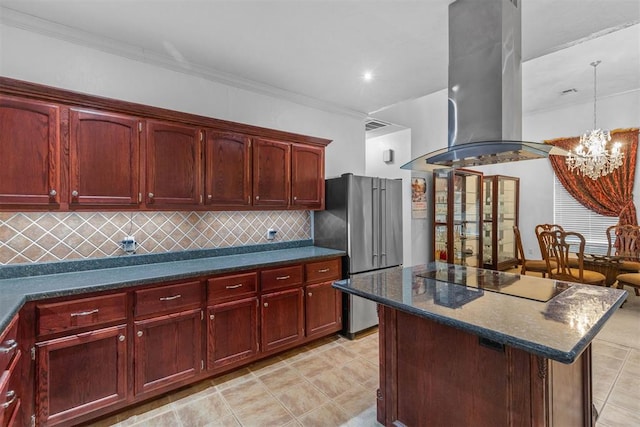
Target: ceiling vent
<point>373,124</point>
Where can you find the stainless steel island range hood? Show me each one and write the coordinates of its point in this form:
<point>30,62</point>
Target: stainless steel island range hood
<point>485,89</point>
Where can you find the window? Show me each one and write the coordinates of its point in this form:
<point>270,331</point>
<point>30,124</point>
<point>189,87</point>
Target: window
<point>572,216</point>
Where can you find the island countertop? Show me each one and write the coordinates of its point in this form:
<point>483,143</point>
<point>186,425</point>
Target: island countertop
<point>549,318</point>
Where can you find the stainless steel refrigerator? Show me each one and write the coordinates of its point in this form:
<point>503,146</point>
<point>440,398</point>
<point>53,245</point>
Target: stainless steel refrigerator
<point>363,217</point>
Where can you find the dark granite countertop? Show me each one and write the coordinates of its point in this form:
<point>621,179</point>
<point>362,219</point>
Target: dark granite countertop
<point>549,318</point>
<point>75,279</point>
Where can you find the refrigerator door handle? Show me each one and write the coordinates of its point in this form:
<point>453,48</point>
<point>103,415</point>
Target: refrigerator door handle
<point>375,221</point>
<point>383,223</point>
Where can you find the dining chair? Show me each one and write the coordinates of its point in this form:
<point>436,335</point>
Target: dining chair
<point>624,242</point>
<point>560,245</point>
<point>573,261</point>
<point>534,265</point>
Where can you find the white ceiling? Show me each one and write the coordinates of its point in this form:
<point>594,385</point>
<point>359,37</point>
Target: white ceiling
<point>316,51</point>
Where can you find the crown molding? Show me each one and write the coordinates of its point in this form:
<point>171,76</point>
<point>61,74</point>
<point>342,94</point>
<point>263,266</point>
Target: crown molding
<point>68,34</point>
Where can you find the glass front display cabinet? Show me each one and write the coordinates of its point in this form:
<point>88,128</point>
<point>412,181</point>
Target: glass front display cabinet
<point>500,214</point>
<point>457,217</point>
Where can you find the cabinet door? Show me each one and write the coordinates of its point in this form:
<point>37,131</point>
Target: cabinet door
<point>167,350</point>
<point>104,159</point>
<point>173,157</point>
<point>232,333</point>
<point>282,319</point>
<point>30,153</point>
<point>323,308</point>
<point>228,169</point>
<point>307,177</point>
<point>271,173</point>
<point>80,373</point>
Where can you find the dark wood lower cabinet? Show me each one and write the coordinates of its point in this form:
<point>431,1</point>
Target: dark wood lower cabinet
<point>167,350</point>
<point>80,373</point>
<point>102,352</point>
<point>436,375</point>
<point>282,319</point>
<point>232,334</point>
<point>323,309</point>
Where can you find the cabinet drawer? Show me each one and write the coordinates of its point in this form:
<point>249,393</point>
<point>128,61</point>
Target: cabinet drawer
<point>80,313</point>
<point>9,390</point>
<point>168,298</point>
<point>283,277</point>
<point>238,285</point>
<point>323,271</point>
<point>8,344</point>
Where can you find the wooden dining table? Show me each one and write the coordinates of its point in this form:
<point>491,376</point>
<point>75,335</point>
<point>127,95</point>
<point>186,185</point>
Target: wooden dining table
<point>609,265</point>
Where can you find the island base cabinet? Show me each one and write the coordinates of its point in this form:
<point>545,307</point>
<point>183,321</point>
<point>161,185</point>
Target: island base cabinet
<point>167,350</point>
<point>232,334</point>
<point>80,373</point>
<point>434,375</point>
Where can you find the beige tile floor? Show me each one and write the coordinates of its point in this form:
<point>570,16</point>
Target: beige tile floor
<point>332,382</point>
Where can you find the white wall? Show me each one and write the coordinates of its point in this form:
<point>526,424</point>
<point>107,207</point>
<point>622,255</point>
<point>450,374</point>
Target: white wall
<point>427,118</point>
<point>400,143</point>
<point>38,58</point>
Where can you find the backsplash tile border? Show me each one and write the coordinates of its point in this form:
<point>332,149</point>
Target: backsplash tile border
<point>35,237</point>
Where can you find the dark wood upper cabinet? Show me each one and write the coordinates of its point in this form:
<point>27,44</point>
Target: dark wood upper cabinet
<point>104,152</point>
<point>271,173</point>
<point>30,153</point>
<point>173,162</point>
<point>227,169</point>
<point>307,177</point>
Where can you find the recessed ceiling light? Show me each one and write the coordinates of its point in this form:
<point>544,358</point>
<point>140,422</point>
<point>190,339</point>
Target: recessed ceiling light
<point>367,76</point>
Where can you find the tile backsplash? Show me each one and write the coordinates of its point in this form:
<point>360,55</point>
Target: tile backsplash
<point>27,237</point>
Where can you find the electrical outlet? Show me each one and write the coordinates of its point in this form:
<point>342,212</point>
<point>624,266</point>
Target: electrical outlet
<point>129,244</point>
<point>530,251</point>
<point>271,234</point>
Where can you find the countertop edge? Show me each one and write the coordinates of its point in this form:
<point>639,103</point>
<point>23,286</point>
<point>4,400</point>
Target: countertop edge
<point>13,299</point>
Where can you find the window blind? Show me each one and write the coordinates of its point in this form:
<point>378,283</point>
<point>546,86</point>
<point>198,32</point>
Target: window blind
<point>572,216</point>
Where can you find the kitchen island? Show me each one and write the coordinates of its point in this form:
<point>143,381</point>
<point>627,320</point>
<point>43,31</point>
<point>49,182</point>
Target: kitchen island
<point>467,346</point>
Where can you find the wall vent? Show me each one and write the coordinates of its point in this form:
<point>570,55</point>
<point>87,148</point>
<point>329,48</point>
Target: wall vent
<point>372,124</point>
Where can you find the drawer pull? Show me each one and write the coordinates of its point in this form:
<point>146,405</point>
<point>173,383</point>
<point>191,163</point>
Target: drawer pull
<point>85,313</point>
<point>139,333</point>
<point>283,277</point>
<point>170,298</point>
<point>11,395</point>
<point>121,338</point>
<point>10,345</point>
<point>236,286</point>
<point>324,270</point>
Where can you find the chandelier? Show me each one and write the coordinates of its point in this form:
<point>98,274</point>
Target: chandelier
<point>591,157</point>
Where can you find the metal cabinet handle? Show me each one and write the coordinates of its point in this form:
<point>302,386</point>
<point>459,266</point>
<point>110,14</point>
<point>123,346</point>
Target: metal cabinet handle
<point>266,304</point>
<point>11,395</point>
<point>120,337</point>
<point>295,198</point>
<point>209,196</point>
<point>74,193</point>
<point>257,197</point>
<point>53,193</point>
<point>170,298</point>
<point>282,277</point>
<point>9,346</point>
<point>323,270</point>
<point>150,195</point>
<point>310,294</point>
<point>85,313</point>
<point>212,316</point>
<point>236,286</point>
<point>139,333</point>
